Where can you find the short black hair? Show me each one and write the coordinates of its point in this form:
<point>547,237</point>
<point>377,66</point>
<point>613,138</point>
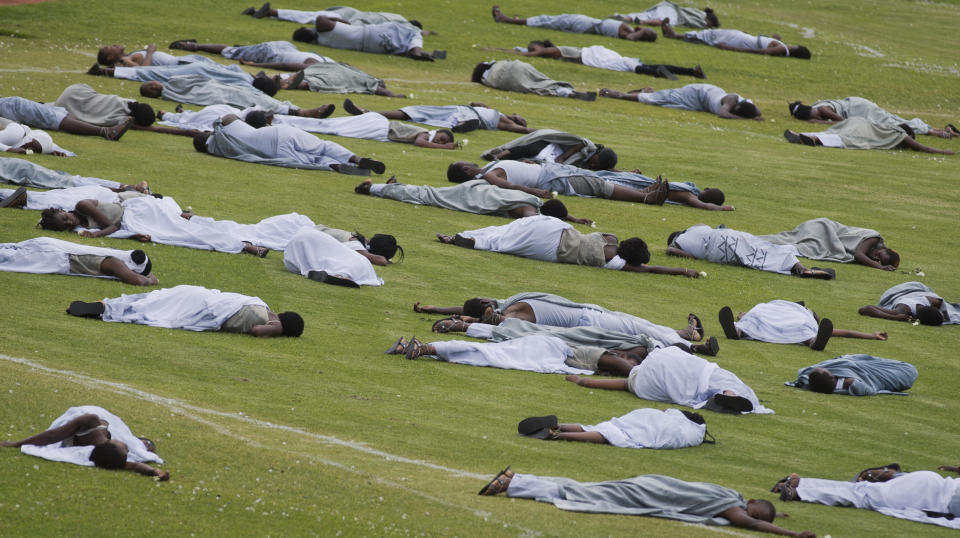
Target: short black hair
<point>416,23</point>
<point>672,236</point>
<point>457,173</point>
<point>711,195</point>
<point>108,456</point>
<point>694,417</point>
<point>474,307</point>
<point>801,52</point>
<point>142,113</point>
<point>634,251</point>
<point>606,158</point>
<point>479,70</point>
<point>292,323</point>
<point>304,34</point>
<point>554,208</point>
<point>256,119</point>
<point>822,382</point>
<point>799,110</point>
<point>746,109</point>
<point>266,85</point>
<point>545,43</point>
<point>138,256</point>
<point>769,511</point>
<point>384,245</point>
<point>894,257</point>
<point>447,132</point>
<point>712,20</point>
<point>929,315</point>
<point>102,58</point>
<point>48,220</point>
<point>200,141</point>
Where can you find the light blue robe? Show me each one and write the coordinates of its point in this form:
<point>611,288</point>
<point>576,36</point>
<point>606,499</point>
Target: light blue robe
<point>871,375</point>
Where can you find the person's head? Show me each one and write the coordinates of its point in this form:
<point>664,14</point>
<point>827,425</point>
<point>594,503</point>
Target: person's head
<point>416,23</point>
<point>151,89</point>
<point>443,136</point>
<point>554,208</point>
<point>761,509</point>
<point>148,444</point>
<point>821,380</point>
<point>291,323</point>
<point>884,256</point>
<point>641,33</point>
<point>384,245</point>
<point>694,417</point>
<point>602,159</point>
<point>306,35</point>
<point>800,111</point>
<point>266,84</point>
<point>142,114</point>
<point>634,251</point>
<point>710,195</point>
<point>58,220</point>
<point>672,236</point>
<point>42,142</point>
<point>259,118</point>
<point>746,109</point>
<point>109,54</point>
<point>200,141</point>
<point>479,70</point>
<point>534,45</point>
<point>142,263</point>
<point>929,315</point>
<point>475,307</point>
<point>109,455</point>
<point>461,171</point>
<point>712,20</point>
<point>799,51</point>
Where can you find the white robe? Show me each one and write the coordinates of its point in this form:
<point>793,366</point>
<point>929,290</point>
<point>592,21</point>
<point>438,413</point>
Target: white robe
<point>312,250</point>
<point>14,135</point>
<point>80,455</point>
<point>604,58</point>
<point>47,255</point>
<point>538,353</point>
<point>732,247</point>
<point>651,428</point>
<point>65,199</point>
<point>191,308</point>
<point>778,322</point>
<point>536,237</point>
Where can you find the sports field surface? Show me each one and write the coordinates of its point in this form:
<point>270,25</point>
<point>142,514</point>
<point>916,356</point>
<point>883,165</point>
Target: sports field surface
<point>325,435</point>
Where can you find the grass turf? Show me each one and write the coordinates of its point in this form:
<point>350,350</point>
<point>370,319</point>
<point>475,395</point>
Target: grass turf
<point>323,434</point>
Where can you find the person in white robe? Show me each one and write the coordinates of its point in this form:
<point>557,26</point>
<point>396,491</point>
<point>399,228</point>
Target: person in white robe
<point>193,308</point>
<point>459,118</point>
<point>674,376</point>
<point>68,198</point>
<point>319,256</point>
<point>601,57</point>
<point>738,41</point>
<point>832,110</point>
<point>344,13</point>
<point>580,24</point>
<point>786,322</point>
<point>47,255</point>
<point>678,15</point>
<point>863,133</point>
<point>18,138</point>
<point>92,436</point>
<point>640,428</point>
<point>921,496</point>
<point>914,301</point>
<point>693,97</point>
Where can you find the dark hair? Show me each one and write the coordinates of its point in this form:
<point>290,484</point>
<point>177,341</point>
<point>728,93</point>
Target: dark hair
<point>694,417</point>
<point>416,23</point>
<point>894,257</point>
<point>647,34</point>
<point>479,70</point>
<point>672,236</point>
<point>822,382</point>
<point>711,195</point>
<point>606,158</point>
<point>142,113</point>
<point>138,256</point>
<point>108,456</point>
<point>292,323</point>
<point>801,52</point>
<point>266,85</point>
<point>634,251</point>
<point>457,172</point>
<point>474,307</point>
<point>554,208</point>
<point>384,245</point>
<point>546,43</point>
<point>799,110</point>
<point>909,130</point>
<point>200,141</point>
<point>929,315</point>
<point>145,93</point>
<point>447,132</point>
<point>256,119</point>
<point>712,20</point>
<point>746,109</point>
<point>48,219</point>
<point>304,34</point>
<point>102,58</point>
<point>770,511</point>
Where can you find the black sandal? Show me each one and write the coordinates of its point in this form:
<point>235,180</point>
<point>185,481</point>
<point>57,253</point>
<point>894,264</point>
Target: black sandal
<point>397,348</point>
<point>413,348</point>
<point>498,484</point>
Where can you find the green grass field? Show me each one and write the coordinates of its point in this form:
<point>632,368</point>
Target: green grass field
<point>324,435</point>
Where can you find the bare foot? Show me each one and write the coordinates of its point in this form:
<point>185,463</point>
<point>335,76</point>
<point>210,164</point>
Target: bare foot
<point>666,28</point>
<point>444,238</point>
<point>498,15</point>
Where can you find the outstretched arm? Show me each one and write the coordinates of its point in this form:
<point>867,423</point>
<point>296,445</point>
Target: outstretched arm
<point>674,251</point>
<point>279,66</point>
<point>843,333</point>
<point>661,270</point>
<point>375,259</point>
<point>884,313</point>
<point>688,198</point>
<point>507,124</point>
<point>917,146</point>
<point>430,309</point>
<point>166,130</point>
<point>570,152</point>
<point>571,218</point>
<point>146,470</point>
<point>738,517</point>
<point>950,468</point>
<point>606,384</point>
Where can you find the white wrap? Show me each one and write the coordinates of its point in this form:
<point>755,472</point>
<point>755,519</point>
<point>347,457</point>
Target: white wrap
<point>192,308</point>
<point>312,250</point>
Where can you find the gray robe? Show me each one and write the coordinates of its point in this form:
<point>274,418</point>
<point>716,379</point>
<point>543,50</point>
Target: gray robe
<point>684,16</point>
<point>872,375</point>
<point>199,90</point>
<point>890,298</point>
<point>824,239</point>
<point>222,144</point>
<point>339,78</point>
<point>552,136</point>
<point>475,196</point>
<point>512,328</point>
<point>649,495</point>
<point>517,76</point>
<point>28,174</point>
<point>85,104</point>
<point>861,133</point>
<point>640,181</point>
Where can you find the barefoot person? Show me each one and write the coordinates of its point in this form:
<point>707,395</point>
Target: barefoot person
<point>914,301</point>
<point>580,24</point>
<point>517,76</point>
<point>640,428</point>
<point>194,308</point>
<point>92,436</point>
<point>649,495</point>
<point>370,126</point>
<point>56,118</point>
<point>695,97</point>
<point>786,322</point>
<point>738,41</point>
<point>857,375</point>
<point>603,58</point>
<point>47,255</point>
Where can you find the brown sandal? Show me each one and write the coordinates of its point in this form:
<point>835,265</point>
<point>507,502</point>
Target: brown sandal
<point>498,484</point>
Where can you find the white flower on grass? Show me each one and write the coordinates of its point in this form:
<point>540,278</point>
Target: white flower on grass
<point>555,193</point>
<point>29,152</point>
<point>593,224</point>
<point>921,273</point>
<point>466,141</point>
<point>411,96</point>
<point>915,323</point>
<point>703,274</point>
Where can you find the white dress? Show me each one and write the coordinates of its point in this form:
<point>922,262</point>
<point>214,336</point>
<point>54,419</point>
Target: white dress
<point>536,237</point>
<point>650,428</point>
<point>778,322</point>
<point>537,353</point>
<point>312,250</point>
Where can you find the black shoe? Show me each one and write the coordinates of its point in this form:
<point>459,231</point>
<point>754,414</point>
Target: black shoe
<point>263,11</point>
<point>322,276</point>
<point>249,11</point>
<point>738,404</point>
<point>663,72</point>
<point>710,348</point>
<point>726,322</point>
<point>351,108</point>
<point>825,273</point>
<point>439,55</point>
<point>293,82</point>
<point>824,332</point>
<point>797,138</point>
<point>537,427</point>
<point>86,310</point>
<point>584,96</point>
<point>466,127</point>
<point>350,170</point>
<point>464,242</point>
<point>370,164</point>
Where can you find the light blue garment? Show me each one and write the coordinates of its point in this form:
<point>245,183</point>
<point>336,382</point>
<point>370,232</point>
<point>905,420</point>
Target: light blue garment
<point>696,97</point>
<point>475,196</point>
<point>229,74</point>
<point>890,298</point>
<point>32,113</point>
<point>28,174</point>
<point>871,375</point>
<point>199,90</point>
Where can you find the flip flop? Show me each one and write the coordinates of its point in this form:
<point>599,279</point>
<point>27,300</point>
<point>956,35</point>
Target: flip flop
<point>14,198</point>
<point>500,487</point>
<point>413,348</point>
<point>86,310</point>
<point>698,326</point>
<point>733,403</point>
<point>351,107</point>
<point>176,44</point>
<point>537,427</point>
<point>824,332</point>
<point>710,348</point>
<point>776,487</point>
<point>249,11</point>
<point>726,322</point>
<point>293,83</point>
<point>953,128</point>
<point>439,327</point>
<point>396,348</point>
<point>824,274</point>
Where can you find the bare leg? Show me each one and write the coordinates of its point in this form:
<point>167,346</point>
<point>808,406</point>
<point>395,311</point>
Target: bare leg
<point>523,211</point>
<point>582,436</point>
<point>382,90</point>
<point>75,126</point>
<point>917,146</point>
<point>498,16</point>
<point>627,96</point>
<point>319,112</point>
<point>83,422</point>
<point>668,30</point>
